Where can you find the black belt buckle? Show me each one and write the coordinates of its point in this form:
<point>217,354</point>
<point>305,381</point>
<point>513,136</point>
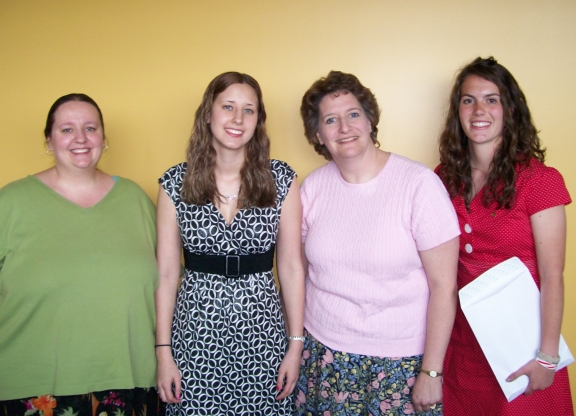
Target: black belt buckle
<point>232,265</point>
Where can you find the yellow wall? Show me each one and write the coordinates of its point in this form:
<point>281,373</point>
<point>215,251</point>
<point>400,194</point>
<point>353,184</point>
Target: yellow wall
<point>148,62</point>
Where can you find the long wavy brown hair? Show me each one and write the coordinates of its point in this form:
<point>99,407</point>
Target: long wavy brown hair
<point>520,142</point>
<point>199,186</point>
<point>336,83</point>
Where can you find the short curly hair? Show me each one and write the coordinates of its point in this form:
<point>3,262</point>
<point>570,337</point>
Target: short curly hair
<point>336,83</point>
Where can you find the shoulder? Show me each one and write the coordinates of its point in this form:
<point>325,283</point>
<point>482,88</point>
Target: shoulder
<point>18,187</point>
<point>327,171</point>
<point>538,174</point>
<point>412,173</point>
<point>129,186</point>
<point>280,168</point>
<point>173,176</point>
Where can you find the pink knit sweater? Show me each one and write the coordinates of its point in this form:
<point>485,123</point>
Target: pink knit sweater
<point>366,290</point>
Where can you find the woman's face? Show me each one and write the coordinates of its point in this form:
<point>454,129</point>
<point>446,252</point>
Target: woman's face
<point>77,139</point>
<point>481,113</point>
<point>234,117</point>
<point>343,126</point>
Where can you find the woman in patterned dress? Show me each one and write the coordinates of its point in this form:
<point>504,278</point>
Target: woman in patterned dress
<point>222,345</point>
<point>508,204</point>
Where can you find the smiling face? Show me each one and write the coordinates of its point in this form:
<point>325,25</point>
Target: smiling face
<point>343,126</point>
<point>480,111</point>
<point>76,138</point>
<point>234,117</point>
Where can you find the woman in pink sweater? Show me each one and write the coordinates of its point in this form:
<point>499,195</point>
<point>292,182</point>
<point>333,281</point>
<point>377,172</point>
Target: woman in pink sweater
<point>381,243</point>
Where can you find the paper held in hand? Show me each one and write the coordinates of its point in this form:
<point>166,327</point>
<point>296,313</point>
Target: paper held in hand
<point>502,306</point>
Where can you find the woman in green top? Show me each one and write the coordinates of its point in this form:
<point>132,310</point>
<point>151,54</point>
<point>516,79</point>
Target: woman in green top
<point>77,280</point>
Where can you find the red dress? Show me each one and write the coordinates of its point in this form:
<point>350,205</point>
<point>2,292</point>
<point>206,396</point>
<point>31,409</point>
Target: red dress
<point>490,236</point>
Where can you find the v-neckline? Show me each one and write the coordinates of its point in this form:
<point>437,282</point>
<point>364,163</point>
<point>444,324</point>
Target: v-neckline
<point>222,215</point>
<point>67,201</point>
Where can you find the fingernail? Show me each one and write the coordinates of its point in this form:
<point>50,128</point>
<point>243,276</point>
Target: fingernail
<point>278,388</point>
<point>178,396</point>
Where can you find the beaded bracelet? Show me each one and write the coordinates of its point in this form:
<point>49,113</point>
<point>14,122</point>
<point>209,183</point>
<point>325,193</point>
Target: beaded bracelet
<point>296,338</point>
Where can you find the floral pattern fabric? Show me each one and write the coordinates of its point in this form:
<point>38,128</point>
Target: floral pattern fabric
<point>335,383</point>
<point>133,402</point>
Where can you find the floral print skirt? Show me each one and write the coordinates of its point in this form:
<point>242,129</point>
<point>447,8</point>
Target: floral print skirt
<point>133,402</point>
<point>335,383</point>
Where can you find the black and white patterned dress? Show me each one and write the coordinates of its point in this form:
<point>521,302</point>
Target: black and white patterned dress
<point>228,335</point>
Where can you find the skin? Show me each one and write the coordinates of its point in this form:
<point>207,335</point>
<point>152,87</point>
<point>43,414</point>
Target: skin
<point>233,120</point>
<point>345,131</point>
<point>481,101</point>
<point>77,142</point>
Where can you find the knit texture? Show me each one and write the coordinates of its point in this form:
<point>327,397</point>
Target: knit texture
<point>366,290</point>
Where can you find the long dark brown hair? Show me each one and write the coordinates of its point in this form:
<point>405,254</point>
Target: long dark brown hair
<point>257,187</point>
<point>334,84</point>
<point>519,144</point>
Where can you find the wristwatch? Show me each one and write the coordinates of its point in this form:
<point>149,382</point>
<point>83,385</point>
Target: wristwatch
<point>432,373</point>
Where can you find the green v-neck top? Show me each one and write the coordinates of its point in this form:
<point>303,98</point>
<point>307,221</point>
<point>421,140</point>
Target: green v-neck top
<point>76,291</point>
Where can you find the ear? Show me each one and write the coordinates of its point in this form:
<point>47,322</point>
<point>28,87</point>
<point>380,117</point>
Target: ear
<point>319,138</point>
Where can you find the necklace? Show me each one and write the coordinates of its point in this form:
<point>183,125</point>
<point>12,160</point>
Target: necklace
<point>232,197</point>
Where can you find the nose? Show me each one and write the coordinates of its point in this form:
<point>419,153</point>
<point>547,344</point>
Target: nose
<point>344,126</point>
<point>238,116</point>
<point>479,108</point>
<point>81,136</point>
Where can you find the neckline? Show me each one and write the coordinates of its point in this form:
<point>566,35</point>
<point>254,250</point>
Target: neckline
<point>368,183</point>
<point>56,195</point>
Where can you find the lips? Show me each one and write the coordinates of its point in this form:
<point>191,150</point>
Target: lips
<point>347,139</point>
<point>234,132</point>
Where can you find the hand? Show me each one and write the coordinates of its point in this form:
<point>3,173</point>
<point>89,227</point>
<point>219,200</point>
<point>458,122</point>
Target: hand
<point>169,377</point>
<point>539,377</point>
<point>427,391</point>
<point>289,370</point>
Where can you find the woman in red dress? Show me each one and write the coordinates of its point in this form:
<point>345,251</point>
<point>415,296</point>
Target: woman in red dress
<point>508,204</point>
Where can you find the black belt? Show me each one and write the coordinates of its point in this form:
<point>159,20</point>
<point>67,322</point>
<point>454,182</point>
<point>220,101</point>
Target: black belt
<point>230,265</point>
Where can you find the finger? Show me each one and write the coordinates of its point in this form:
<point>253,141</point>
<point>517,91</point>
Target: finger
<point>513,376</point>
<point>177,389</point>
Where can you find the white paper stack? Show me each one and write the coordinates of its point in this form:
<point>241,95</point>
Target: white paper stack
<point>502,306</point>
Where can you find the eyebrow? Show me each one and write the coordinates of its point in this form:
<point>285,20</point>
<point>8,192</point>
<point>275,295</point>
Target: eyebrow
<point>347,111</point>
<point>232,101</point>
<point>487,95</point>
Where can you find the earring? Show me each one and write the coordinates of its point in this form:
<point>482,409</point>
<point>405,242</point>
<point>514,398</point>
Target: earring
<point>48,151</point>
<point>105,148</point>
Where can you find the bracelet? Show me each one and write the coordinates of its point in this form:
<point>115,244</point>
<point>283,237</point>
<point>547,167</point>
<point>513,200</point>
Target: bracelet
<point>548,358</point>
<point>296,338</point>
<point>162,345</point>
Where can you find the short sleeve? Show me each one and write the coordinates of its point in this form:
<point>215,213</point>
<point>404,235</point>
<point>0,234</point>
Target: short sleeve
<point>545,189</point>
<point>171,181</point>
<point>434,220</point>
<point>283,177</point>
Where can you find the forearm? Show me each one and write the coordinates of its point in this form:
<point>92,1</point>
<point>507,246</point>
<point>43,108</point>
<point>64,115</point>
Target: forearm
<point>552,306</point>
<point>292,284</point>
<point>439,323</point>
<point>165,300</point>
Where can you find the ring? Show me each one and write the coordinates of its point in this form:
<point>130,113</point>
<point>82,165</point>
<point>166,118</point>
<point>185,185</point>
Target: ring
<point>433,406</point>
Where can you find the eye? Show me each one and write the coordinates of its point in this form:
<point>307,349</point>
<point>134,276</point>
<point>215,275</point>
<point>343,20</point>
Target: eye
<point>467,101</point>
<point>493,100</point>
<point>249,111</point>
<point>227,107</point>
<point>330,120</point>
<point>355,114</point>
<point>67,130</point>
<point>91,128</point>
